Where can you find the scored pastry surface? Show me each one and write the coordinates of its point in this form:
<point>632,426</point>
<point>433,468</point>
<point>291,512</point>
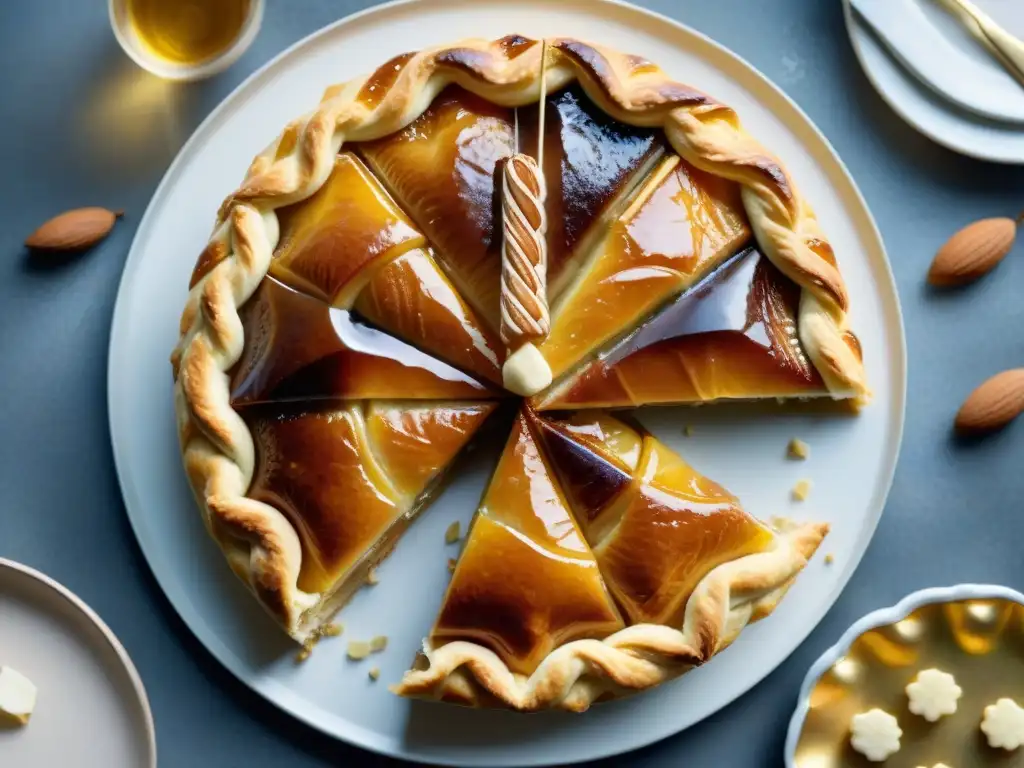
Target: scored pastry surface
<point>261,541</point>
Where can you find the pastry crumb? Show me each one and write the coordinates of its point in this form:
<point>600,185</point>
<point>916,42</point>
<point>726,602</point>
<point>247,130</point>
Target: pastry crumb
<point>17,697</point>
<point>802,490</point>
<point>374,673</point>
<point>371,577</point>
<point>332,630</point>
<point>829,558</point>
<point>452,534</point>
<point>688,430</point>
<point>379,643</point>
<point>875,734</point>
<point>358,649</point>
<point>452,562</point>
<point>798,449</point>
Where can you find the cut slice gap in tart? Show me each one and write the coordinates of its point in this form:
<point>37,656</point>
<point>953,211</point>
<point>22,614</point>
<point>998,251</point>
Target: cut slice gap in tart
<point>525,584</point>
<point>299,348</point>
<point>733,336</point>
<point>687,566</point>
<point>348,479</point>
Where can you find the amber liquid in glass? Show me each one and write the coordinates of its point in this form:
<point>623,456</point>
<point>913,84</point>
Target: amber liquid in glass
<point>187,32</point>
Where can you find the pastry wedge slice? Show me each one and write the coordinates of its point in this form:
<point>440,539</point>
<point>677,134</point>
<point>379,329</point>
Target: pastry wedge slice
<point>688,569</point>
<point>299,348</point>
<point>526,586</point>
<point>679,226</point>
<point>336,485</point>
<point>736,335</point>
<point>657,526</point>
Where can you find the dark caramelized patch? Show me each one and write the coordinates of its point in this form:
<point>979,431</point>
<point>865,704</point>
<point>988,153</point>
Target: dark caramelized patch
<point>589,480</point>
<point>377,85</point>
<point>515,45</point>
<point>213,254</point>
<point>733,335</point>
<point>590,160</point>
<point>297,348</point>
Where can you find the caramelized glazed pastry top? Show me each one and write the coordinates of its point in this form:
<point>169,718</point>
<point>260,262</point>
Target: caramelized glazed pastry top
<point>332,243</point>
<point>316,466</point>
<point>682,224</point>
<point>663,529</point>
<point>298,348</point>
<point>413,440</point>
<point>734,335</point>
<point>413,299</point>
<point>591,163</point>
<point>526,582</point>
<point>441,169</point>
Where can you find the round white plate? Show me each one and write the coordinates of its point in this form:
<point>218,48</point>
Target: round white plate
<point>928,112</point>
<point>91,710</point>
<point>852,460</point>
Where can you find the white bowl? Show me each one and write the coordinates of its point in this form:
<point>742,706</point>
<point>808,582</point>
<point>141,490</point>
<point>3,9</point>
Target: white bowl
<point>880,618</point>
<point>169,71</point>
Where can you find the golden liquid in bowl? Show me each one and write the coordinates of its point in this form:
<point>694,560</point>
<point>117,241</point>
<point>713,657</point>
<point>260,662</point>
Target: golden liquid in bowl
<point>187,32</point>
<point>979,642</point>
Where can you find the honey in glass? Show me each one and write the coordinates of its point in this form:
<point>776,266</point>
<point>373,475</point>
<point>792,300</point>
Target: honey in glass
<point>187,32</point>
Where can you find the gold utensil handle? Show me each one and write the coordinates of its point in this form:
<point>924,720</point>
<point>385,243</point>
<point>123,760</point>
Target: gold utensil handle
<point>1008,49</point>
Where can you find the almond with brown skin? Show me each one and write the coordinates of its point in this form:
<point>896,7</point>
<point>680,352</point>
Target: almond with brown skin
<point>994,404</point>
<point>73,230</point>
<point>972,252</point>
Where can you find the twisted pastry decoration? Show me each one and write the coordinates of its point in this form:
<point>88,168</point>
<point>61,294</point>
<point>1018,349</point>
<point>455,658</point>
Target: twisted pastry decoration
<point>524,303</point>
<point>260,543</point>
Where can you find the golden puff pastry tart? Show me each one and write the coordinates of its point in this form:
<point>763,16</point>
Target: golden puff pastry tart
<point>598,563</point>
<point>347,334</point>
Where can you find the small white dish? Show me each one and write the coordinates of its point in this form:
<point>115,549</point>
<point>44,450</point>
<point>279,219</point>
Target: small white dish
<point>169,70</point>
<point>92,710</point>
<point>883,617</point>
<point>924,109</point>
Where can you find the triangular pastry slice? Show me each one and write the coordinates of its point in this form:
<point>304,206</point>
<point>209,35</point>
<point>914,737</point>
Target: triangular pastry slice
<point>442,170</point>
<point>734,336</point>
<point>349,479</point>
<point>525,584</point>
<point>680,225</point>
<point>413,299</point>
<point>687,566</point>
<point>298,348</point>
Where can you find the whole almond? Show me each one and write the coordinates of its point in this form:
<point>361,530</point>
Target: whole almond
<point>73,230</point>
<point>972,252</point>
<point>994,404</point>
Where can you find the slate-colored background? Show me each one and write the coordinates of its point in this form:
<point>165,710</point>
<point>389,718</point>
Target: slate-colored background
<point>71,134</point>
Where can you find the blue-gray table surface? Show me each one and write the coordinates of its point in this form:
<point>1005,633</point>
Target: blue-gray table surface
<point>70,136</point>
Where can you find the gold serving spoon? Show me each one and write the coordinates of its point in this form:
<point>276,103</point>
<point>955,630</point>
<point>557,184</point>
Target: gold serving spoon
<point>1006,48</point>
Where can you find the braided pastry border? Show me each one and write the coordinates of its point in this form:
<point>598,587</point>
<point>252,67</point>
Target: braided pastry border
<point>259,542</point>
<point>576,674</point>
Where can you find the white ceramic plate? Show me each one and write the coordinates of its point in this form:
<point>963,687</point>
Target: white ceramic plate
<point>852,460</point>
<point>881,618</point>
<point>92,710</point>
<point>923,108</point>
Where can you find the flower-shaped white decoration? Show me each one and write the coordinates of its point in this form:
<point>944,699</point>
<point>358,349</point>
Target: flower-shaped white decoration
<point>875,734</point>
<point>933,694</point>
<point>1003,724</point>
